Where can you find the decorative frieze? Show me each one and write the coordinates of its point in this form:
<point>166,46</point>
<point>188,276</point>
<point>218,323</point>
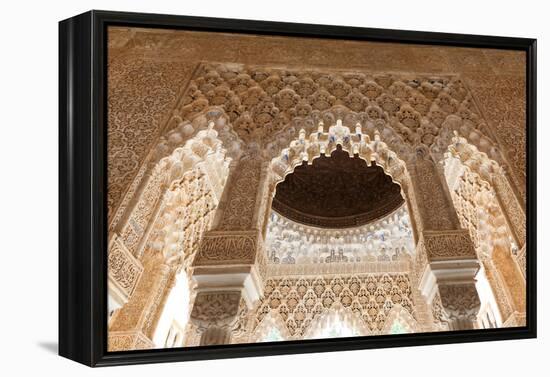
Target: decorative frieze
<point>447,245</point>
<point>335,269</point>
<point>227,248</point>
<point>239,211</point>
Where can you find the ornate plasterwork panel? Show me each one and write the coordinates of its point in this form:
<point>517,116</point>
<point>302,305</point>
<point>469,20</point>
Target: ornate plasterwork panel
<point>515,212</point>
<point>141,311</point>
<point>141,93</point>
<point>431,194</point>
<point>238,214</point>
<point>185,215</point>
<point>142,213</point>
<point>298,301</point>
<point>224,247</point>
<point>196,155</point>
<point>263,101</point>
<point>502,102</point>
<point>124,269</point>
<point>481,213</point>
<point>443,245</point>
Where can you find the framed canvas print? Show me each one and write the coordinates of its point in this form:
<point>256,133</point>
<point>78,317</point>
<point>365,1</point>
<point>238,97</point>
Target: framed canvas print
<point>240,188</point>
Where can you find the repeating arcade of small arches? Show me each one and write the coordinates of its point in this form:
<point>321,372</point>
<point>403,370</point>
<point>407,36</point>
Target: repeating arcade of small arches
<point>299,301</point>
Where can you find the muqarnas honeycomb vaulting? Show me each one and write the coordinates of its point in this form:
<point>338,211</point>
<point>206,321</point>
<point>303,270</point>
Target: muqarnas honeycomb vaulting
<point>265,188</point>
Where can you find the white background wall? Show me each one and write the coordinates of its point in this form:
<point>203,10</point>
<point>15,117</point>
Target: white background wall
<point>28,190</point>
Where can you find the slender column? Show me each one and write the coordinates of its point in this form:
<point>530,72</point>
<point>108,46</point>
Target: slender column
<point>230,264</point>
<point>446,261</point>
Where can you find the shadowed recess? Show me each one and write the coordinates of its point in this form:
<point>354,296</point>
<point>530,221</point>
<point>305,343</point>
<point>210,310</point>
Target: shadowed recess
<point>337,192</point>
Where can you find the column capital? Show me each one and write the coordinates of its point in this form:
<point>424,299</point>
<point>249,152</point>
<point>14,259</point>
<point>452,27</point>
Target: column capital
<point>216,308</point>
<point>456,305</point>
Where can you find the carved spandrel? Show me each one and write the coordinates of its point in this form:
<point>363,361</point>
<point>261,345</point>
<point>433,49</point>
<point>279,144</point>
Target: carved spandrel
<point>443,245</point>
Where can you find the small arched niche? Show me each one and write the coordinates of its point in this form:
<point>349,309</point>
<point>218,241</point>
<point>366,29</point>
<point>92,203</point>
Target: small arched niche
<point>338,208</point>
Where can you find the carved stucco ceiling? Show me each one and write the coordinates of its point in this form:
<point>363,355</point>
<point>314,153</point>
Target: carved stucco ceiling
<point>149,67</point>
<point>337,192</point>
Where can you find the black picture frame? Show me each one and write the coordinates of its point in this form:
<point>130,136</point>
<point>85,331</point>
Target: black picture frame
<point>83,187</point>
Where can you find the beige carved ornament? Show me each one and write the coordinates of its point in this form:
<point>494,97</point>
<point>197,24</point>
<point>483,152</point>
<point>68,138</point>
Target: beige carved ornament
<point>219,309</point>
<point>441,245</point>
<point>128,340</point>
<point>124,269</point>
<point>269,106</point>
<point>223,247</point>
<point>459,301</point>
<point>300,301</point>
<point>288,117</point>
<point>265,104</point>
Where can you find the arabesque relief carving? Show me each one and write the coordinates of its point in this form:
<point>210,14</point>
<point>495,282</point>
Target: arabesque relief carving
<point>219,248</point>
<point>216,308</point>
<point>239,210</point>
<point>460,303</point>
<point>448,245</point>
<point>124,269</point>
<point>299,301</point>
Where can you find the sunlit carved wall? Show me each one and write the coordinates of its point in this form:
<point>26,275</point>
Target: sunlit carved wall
<point>180,125</point>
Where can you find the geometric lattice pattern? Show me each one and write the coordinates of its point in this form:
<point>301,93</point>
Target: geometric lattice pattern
<point>371,297</point>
